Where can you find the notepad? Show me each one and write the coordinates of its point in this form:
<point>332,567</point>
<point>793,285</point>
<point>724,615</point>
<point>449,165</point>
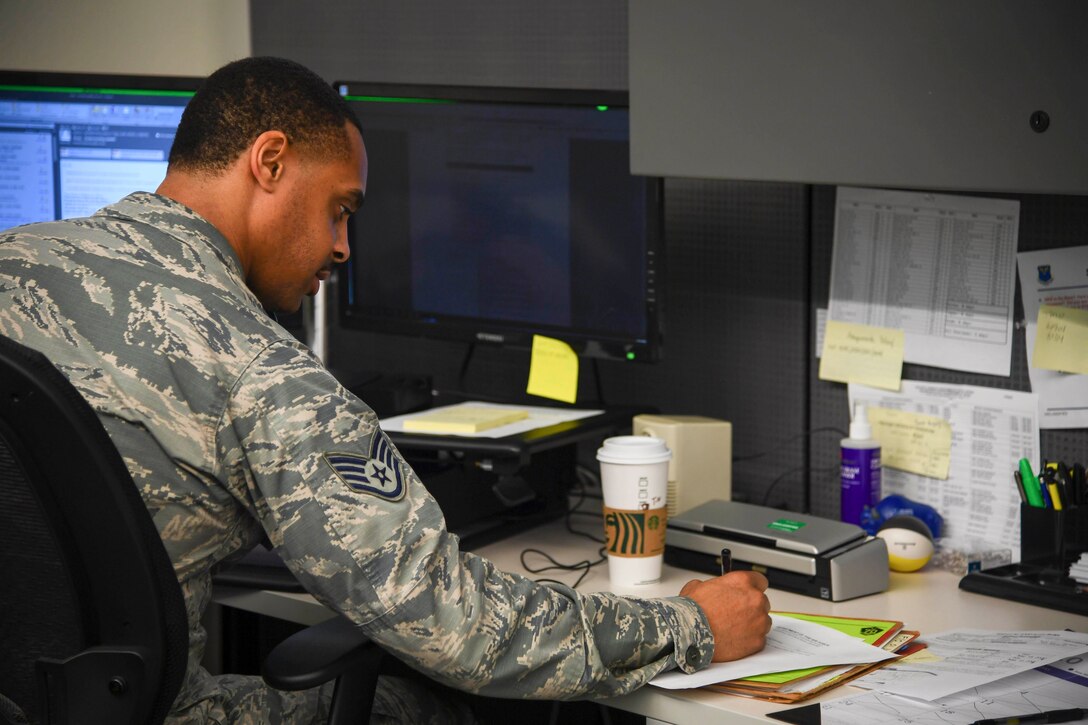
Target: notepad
<point>463,419</point>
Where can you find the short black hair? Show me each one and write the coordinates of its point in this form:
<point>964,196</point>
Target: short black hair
<point>247,97</point>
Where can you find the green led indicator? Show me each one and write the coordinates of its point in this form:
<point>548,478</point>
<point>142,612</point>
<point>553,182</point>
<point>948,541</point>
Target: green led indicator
<point>602,108</point>
<point>630,356</point>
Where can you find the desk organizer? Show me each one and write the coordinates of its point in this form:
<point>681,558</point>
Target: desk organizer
<point>1050,541</point>
<point>1053,537</point>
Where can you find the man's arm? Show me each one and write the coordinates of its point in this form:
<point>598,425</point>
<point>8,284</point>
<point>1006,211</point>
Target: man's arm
<point>360,531</point>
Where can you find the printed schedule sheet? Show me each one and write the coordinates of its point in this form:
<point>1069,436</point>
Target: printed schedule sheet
<point>941,268</point>
<point>991,431</point>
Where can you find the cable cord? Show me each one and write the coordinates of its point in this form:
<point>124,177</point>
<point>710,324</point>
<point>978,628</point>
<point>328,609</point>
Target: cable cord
<point>782,477</point>
<point>584,566</point>
<point>777,449</point>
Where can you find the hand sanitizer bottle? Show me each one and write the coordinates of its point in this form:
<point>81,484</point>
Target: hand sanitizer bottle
<point>860,469</point>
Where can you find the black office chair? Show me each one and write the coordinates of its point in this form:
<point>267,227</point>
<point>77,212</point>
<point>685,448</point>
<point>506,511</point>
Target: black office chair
<point>93,625</point>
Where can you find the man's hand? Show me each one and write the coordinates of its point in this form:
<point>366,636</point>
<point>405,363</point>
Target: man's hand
<point>737,610</point>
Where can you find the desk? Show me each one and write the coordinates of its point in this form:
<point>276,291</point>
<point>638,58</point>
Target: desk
<point>929,601</point>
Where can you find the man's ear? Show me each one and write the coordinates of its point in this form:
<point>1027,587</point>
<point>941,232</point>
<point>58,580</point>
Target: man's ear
<point>266,158</point>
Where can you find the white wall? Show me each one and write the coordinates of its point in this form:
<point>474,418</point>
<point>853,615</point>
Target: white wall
<point>163,37</point>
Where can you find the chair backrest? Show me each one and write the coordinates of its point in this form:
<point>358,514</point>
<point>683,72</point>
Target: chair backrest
<point>92,620</point>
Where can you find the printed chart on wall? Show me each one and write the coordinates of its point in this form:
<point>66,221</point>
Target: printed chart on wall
<point>991,431</point>
<point>1056,280</point>
<point>941,268</point>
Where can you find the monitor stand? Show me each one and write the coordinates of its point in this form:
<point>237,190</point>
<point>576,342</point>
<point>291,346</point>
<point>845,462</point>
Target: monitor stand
<point>489,488</point>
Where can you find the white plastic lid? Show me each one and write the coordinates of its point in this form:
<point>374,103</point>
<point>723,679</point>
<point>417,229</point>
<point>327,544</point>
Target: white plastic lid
<point>633,449</point>
<point>859,426</point>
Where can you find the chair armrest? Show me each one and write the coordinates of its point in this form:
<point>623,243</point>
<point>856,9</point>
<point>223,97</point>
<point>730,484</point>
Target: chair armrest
<point>319,654</point>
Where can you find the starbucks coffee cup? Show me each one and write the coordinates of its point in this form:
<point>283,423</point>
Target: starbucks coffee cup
<point>634,480</point>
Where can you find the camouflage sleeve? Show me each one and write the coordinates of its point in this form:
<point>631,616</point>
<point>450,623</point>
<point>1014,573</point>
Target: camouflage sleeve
<point>358,528</point>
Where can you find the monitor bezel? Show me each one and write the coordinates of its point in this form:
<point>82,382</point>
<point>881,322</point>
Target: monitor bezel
<point>590,344</point>
<point>78,81</point>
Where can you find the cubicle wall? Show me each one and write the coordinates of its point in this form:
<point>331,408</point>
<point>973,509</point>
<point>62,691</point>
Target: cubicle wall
<point>1046,221</point>
<point>746,267</point>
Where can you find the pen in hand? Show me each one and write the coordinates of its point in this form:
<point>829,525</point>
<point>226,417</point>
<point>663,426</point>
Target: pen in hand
<point>1073,713</point>
<point>727,561</point>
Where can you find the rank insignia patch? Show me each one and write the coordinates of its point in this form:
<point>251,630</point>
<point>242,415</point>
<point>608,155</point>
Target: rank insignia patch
<point>379,473</point>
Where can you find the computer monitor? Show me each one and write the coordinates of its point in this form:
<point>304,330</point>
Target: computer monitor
<point>493,214</point>
<point>71,143</point>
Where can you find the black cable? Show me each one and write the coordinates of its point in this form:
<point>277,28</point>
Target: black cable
<point>573,508</point>
<point>584,566</point>
<point>464,364</point>
<point>597,381</point>
<point>778,447</point>
<point>796,469</point>
<point>775,482</point>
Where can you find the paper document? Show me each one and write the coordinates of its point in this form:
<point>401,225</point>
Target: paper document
<point>966,658</point>
<point>992,430</point>
<point>791,644</point>
<point>1058,686</point>
<point>941,268</point>
<point>535,417</point>
<point>1055,277</point>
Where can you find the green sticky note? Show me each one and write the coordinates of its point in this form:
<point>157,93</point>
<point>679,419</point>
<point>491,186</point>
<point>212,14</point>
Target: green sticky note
<point>553,370</point>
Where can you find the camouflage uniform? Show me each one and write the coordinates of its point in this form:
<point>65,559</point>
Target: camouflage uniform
<point>231,428</point>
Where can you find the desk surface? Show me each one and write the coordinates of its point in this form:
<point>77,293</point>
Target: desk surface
<point>929,601</point>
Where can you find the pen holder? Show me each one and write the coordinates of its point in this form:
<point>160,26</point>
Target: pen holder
<point>1051,537</point>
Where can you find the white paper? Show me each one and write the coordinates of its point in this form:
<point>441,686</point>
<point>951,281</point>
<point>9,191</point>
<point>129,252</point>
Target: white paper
<point>1063,397</point>
<point>941,268</point>
<point>966,658</point>
<point>992,430</point>
<point>539,417</point>
<point>792,644</point>
<point>1059,686</point>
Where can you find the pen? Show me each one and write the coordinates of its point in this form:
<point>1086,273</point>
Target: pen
<point>1063,478</point>
<point>1073,713</point>
<point>1031,484</point>
<point>1080,484</point>
<point>1018,480</point>
<point>1055,495</point>
<point>727,561</point>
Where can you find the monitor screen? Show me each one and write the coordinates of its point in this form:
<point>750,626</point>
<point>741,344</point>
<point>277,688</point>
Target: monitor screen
<point>494,214</point>
<point>71,143</point>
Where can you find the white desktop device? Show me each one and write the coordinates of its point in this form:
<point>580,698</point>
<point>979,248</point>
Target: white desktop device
<point>701,467</point>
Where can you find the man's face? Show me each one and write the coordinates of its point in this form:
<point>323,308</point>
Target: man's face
<point>307,232</point>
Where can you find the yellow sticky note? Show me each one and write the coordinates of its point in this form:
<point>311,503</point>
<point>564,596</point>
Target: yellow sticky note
<point>463,419</point>
<point>912,442</point>
<point>862,354</point>
<point>553,370</point>
<point>1061,340</point>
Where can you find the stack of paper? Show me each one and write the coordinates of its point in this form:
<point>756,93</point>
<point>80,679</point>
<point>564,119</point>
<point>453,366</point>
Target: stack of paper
<point>804,654</point>
<point>463,419</point>
<point>796,685</point>
<point>1079,569</point>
